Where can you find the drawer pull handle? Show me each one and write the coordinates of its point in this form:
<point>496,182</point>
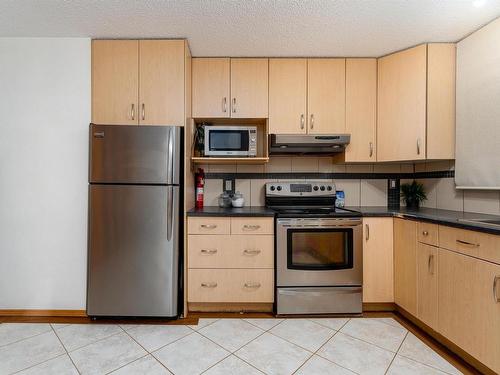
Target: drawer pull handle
<point>430,264</point>
<point>467,243</point>
<point>495,292</point>
<point>251,227</point>
<point>251,252</point>
<point>209,285</point>
<point>252,285</point>
<point>425,233</point>
<point>208,251</point>
<point>208,226</point>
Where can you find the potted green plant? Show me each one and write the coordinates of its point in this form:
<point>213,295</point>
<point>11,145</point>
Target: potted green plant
<point>413,193</point>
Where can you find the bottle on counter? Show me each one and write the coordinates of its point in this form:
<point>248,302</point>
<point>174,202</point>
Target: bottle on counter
<point>200,184</point>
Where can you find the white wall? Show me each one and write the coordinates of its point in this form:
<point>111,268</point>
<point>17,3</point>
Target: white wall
<point>45,112</point>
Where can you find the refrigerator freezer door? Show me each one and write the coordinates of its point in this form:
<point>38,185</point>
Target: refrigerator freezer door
<point>121,154</point>
<point>133,250</point>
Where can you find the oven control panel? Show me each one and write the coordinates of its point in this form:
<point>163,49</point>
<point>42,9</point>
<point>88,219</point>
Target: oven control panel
<point>300,189</point>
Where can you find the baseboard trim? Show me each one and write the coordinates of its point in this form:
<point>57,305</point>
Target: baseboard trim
<point>453,349</point>
<point>379,306</point>
<point>229,307</point>
<point>44,313</point>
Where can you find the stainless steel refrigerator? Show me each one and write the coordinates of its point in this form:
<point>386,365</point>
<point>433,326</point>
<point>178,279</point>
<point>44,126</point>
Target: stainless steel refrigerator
<point>134,220</point>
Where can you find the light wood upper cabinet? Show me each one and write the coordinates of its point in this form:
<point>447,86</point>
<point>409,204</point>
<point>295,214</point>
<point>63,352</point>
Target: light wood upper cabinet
<point>211,87</point>
<point>405,264</point>
<point>416,104</point>
<point>378,256</point>
<point>441,61</point>
<point>361,109</point>
<point>115,81</point>
<point>326,90</point>
<point>402,90</point>
<point>249,88</point>
<point>161,89</point>
<point>287,96</point>
<point>427,276</point>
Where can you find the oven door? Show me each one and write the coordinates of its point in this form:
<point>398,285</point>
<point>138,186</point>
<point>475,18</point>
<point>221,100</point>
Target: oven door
<point>319,252</point>
<point>226,141</point>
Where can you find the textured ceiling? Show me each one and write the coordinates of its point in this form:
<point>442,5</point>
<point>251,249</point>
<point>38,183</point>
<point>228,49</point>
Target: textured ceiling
<point>255,28</point>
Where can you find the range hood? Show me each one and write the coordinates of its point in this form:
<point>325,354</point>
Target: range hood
<point>307,143</point>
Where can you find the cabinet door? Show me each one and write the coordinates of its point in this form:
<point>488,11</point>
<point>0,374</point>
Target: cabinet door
<point>115,82</point>
<point>249,88</point>
<point>326,96</point>
<point>361,109</point>
<point>378,266</point>
<point>161,89</point>
<point>402,88</point>
<point>210,93</point>
<point>427,268</point>
<point>287,96</point>
<point>405,265</point>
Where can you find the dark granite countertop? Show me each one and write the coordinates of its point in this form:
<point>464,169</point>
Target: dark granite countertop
<point>445,217</point>
<point>231,211</point>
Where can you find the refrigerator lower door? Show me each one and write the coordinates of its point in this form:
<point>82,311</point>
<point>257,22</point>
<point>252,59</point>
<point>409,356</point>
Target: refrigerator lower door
<point>133,250</point>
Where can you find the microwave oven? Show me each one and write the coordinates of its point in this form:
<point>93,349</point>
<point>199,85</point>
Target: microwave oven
<point>230,140</point>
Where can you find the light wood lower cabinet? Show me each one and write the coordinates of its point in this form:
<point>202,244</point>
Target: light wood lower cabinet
<point>378,260</point>
<point>405,267</point>
<point>230,285</point>
<point>427,285</point>
<point>230,260</point>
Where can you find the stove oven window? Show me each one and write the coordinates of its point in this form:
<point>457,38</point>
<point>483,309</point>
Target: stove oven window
<point>320,249</point>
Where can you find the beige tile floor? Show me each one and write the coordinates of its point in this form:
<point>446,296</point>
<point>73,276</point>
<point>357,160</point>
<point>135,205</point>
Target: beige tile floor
<point>320,346</point>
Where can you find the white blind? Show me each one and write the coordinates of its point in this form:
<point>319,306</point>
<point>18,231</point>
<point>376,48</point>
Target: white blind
<point>478,110</point>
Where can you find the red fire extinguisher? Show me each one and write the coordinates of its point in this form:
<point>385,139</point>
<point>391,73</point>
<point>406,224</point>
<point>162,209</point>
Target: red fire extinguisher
<point>200,183</point>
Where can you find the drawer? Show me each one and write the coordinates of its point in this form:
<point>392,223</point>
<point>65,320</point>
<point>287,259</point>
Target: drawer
<point>480,245</point>
<point>428,233</point>
<point>230,285</point>
<point>225,251</point>
<point>209,225</point>
<point>252,225</point>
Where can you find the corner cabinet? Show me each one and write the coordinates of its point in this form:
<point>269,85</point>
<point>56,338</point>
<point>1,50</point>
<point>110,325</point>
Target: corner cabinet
<point>307,96</point>
<point>230,88</point>
<point>139,82</point>
<point>416,104</point>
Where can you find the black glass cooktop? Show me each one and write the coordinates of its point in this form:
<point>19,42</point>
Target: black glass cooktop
<point>298,211</point>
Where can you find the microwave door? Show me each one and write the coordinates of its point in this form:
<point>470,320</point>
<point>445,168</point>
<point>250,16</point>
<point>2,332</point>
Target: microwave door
<point>227,142</point>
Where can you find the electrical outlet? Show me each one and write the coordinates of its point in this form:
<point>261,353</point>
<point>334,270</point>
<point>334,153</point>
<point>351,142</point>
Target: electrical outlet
<point>228,185</point>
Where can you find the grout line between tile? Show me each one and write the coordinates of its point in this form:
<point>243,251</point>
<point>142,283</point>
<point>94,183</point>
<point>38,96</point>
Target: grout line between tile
<point>25,338</point>
<point>66,350</point>
<point>395,354</point>
<point>128,363</point>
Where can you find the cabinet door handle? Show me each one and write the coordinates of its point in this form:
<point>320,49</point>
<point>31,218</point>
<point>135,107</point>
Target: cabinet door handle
<point>302,121</point>
<point>430,264</point>
<point>252,285</point>
<point>367,235</point>
<point>250,227</point>
<point>251,252</point>
<point>209,285</point>
<point>425,233</point>
<point>371,149</point>
<point>312,120</point>
<point>132,111</point>
<point>224,104</point>
<point>143,111</point>
<point>418,146</point>
<point>495,292</point>
<point>468,243</point>
<point>234,105</point>
<point>208,251</point>
<point>208,226</point>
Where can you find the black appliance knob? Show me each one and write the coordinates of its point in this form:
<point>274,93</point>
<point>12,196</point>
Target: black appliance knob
<point>278,188</point>
<point>329,188</point>
<point>315,188</point>
<point>272,188</point>
<point>322,188</point>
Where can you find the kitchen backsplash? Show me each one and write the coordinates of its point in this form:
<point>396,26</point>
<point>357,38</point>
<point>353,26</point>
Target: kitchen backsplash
<point>441,192</point>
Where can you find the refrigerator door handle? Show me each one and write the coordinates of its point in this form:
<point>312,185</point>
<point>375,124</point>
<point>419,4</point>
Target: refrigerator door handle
<point>170,168</point>
<point>170,213</point>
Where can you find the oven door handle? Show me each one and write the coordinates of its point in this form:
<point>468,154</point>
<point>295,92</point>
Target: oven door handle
<point>319,294</point>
